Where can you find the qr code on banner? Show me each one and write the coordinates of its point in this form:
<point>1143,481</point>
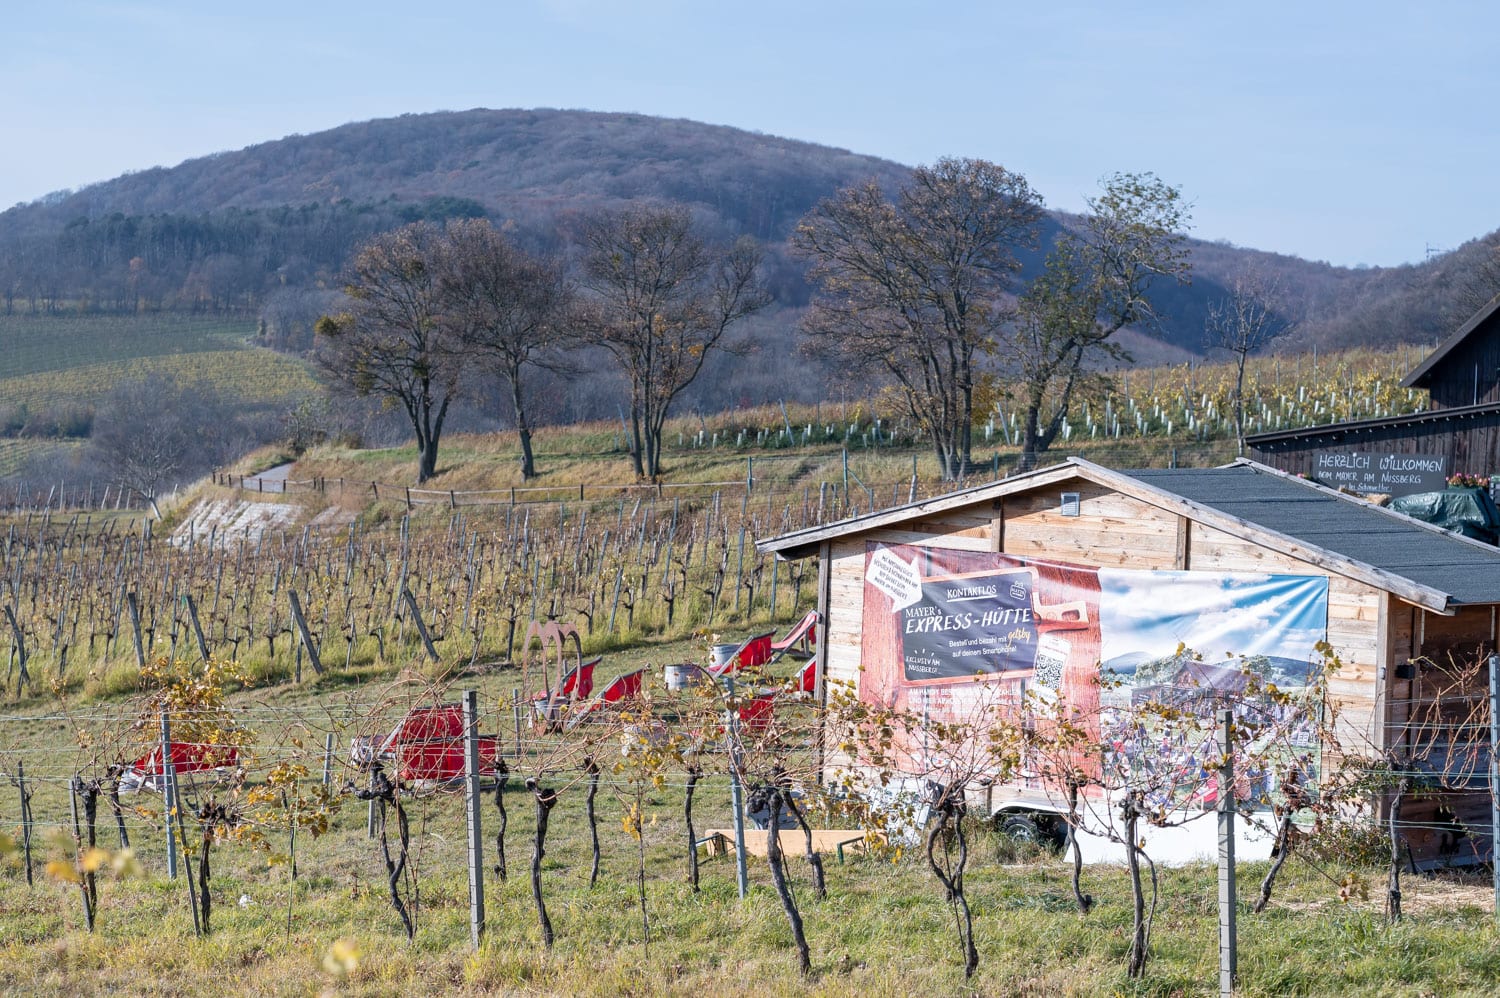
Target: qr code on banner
<point>1051,656</point>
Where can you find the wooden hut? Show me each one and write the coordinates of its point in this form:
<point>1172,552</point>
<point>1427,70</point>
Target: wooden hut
<point>1398,592</point>
<point>1461,425</point>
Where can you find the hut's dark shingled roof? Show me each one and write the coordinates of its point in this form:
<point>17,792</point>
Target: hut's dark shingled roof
<point>1467,571</point>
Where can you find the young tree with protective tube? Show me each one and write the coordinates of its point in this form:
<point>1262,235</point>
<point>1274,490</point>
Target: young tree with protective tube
<point>659,299</point>
<point>509,310</point>
<point>1097,280</point>
<point>397,339</point>
<point>915,288</point>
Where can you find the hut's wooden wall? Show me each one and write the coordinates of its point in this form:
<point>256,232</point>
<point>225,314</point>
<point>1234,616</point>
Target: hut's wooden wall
<point>1470,374</point>
<point>1371,631</point>
<point>1470,442</point>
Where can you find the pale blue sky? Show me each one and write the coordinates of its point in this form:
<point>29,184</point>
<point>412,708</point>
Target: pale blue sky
<point>1352,132</point>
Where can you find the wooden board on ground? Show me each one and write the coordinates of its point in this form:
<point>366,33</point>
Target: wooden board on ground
<point>721,840</point>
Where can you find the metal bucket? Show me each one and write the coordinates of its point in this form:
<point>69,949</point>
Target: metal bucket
<point>679,677</point>
<point>723,655</point>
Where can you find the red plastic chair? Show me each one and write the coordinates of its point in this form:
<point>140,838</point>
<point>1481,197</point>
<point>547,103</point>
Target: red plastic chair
<point>187,758</point>
<point>620,689</point>
<point>577,683</point>
<point>754,652</point>
<point>801,640</point>
<point>755,715</point>
<point>428,745</point>
<point>623,687</point>
<point>807,679</point>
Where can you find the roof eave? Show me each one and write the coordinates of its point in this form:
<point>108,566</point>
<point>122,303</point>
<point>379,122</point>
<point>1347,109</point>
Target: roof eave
<point>1417,378</point>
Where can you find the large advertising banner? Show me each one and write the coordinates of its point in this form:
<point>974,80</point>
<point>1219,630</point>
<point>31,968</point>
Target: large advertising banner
<point>948,632</point>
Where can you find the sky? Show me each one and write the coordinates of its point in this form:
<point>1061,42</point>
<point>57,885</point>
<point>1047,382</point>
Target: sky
<point>1357,133</point>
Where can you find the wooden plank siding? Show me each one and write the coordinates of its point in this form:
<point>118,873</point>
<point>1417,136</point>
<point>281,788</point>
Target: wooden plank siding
<point>1372,630</point>
<point>1470,442</point>
<point>1111,530</point>
<point>1470,372</point>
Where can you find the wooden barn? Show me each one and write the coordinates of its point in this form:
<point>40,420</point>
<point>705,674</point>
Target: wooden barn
<point>1396,591</point>
<point>1461,425</point>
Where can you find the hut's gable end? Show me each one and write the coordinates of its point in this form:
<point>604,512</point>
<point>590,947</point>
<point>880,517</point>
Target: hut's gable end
<point>961,529</point>
<point>1469,374</point>
<point>1110,529</point>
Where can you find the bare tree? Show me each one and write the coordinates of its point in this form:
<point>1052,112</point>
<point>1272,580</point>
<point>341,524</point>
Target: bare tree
<point>1097,281</point>
<point>153,433</point>
<point>395,340</point>
<point>915,288</point>
<point>510,307</point>
<point>659,301</point>
<point>1244,322</point>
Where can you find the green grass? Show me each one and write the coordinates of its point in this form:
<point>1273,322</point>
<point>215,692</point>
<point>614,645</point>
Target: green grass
<point>33,344</point>
<point>71,361</point>
<point>884,929</point>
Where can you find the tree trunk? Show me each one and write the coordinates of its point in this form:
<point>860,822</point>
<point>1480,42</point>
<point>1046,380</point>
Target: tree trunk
<point>1239,401</point>
<point>635,444</point>
<point>204,903</point>
<point>1137,962</point>
<point>1084,901</point>
<point>1280,850</point>
<point>546,799</point>
<point>502,777</point>
<point>1393,890</point>
<point>395,868</point>
<point>426,461</point>
<point>590,767</point>
<point>951,816</point>
<point>114,806</point>
<point>692,835</point>
<point>523,428</point>
<point>776,860</point>
<point>814,860</point>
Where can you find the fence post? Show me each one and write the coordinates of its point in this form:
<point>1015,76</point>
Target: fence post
<point>328,759</point>
<point>1228,944</point>
<point>132,603</point>
<point>749,473</point>
<point>25,818</point>
<point>169,793</point>
<point>192,609</point>
<point>736,795</point>
<point>471,807</point>
<point>302,631</point>
<point>1495,773</point>
<point>515,710</point>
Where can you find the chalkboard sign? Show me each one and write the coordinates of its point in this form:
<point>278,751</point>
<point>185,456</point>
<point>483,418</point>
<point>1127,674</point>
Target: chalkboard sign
<point>970,625</point>
<point>1374,471</point>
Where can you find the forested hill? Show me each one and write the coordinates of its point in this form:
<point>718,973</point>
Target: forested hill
<point>248,230</point>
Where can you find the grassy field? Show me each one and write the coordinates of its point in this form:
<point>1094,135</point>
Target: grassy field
<point>33,344</point>
<point>883,930</point>
<point>64,361</point>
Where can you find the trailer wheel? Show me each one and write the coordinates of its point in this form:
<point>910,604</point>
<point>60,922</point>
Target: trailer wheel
<point>1021,828</point>
<point>1030,828</point>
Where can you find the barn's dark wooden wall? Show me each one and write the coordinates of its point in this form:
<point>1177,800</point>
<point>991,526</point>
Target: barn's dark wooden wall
<point>1469,437</point>
<point>1465,369</point>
